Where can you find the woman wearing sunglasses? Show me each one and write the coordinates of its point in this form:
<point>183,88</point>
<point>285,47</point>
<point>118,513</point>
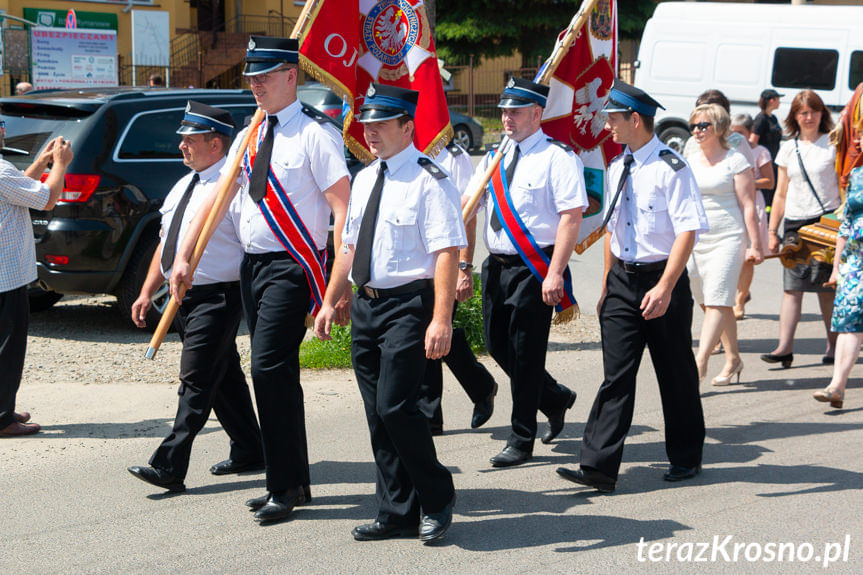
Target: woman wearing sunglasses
<point>806,189</point>
<point>725,179</point>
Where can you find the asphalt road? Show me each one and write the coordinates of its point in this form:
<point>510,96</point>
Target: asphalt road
<point>779,469</point>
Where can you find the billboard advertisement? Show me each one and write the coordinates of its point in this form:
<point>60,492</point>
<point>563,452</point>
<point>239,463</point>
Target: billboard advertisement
<point>77,58</point>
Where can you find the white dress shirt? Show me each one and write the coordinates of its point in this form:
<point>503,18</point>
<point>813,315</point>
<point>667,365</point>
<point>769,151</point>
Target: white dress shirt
<point>307,159</point>
<point>222,257</point>
<point>18,195</point>
<point>657,204</point>
<point>819,159</point>
<point>459,166</point>
<point>418,216</point>
<point>547,180</point>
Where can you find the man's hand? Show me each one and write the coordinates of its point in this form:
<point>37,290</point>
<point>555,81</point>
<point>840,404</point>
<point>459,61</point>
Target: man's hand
<point>343,307</point>
<point>181,278</point>
<point>655,302</point>
<point>438,339</point>
<point>464,287</point>
<point>552,289</point>
<point>139,310</point>
<point>324,322</point>
<point>62,152</point>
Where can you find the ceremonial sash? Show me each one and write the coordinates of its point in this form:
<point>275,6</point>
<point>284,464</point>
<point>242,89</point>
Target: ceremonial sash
<point>531,254</point>
<point>288,227</point>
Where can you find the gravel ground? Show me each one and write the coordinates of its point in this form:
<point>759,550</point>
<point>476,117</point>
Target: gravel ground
<point>84,339</point>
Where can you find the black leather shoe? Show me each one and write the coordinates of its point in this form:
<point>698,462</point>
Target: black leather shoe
<point>588,477</point>
<point>280,505</point>
<point>258,502</point>
<point>229,466</point>
<point>556,421</point>
<point>377,531</point>
<point>158,477</point>
<point>434,525</point>
<point>483,409</point>
<point>679,473</point>
<point>436,429</point>
<point>786,360</point>
<point>510,456</point>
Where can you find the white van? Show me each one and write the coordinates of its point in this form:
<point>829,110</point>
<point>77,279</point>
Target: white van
<point>741,49</point>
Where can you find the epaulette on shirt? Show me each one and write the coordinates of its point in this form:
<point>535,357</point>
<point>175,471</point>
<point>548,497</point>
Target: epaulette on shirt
<point>560,144</point>
<point>431,168</point>
<point>316,115</point>
<point>672,160</point>
<point>454,149</point>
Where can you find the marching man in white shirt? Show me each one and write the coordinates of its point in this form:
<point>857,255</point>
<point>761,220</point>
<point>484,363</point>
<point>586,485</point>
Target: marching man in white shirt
<point>210,373</point>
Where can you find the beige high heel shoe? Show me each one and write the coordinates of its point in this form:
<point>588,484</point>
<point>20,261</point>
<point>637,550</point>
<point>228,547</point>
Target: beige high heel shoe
<point>721,380</point>
<point>834,397</point>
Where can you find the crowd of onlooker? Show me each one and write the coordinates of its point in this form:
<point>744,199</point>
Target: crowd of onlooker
<point>761,180</point>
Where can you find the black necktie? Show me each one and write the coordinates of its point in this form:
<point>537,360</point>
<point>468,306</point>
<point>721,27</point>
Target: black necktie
<point>627,164</point>
<point>170,245</point>
<point>362,268</point>
<point>258,181</point>
<point>510,172</point>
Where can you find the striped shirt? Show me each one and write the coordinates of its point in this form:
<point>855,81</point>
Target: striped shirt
<point>18,194</point>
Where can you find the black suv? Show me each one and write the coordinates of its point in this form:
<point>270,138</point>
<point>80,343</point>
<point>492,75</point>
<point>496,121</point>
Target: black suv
<point>101,236</point>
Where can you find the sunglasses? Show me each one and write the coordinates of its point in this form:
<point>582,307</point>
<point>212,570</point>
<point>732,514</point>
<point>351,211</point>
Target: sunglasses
<point>700,126</point>
<point>263,78</point>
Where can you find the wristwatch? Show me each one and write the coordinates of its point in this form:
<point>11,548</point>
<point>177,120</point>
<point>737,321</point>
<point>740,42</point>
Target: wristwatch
<point>465,266</point>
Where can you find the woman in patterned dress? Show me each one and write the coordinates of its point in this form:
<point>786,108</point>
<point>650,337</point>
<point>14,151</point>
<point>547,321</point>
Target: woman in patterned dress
<point>847,319</point>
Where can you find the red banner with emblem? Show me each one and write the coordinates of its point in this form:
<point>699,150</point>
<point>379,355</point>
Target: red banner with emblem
<point>348,44</point>
<point>579,88</point>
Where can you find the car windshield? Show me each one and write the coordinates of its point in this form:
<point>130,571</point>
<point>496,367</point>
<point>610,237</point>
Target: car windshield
<point>30,133</point>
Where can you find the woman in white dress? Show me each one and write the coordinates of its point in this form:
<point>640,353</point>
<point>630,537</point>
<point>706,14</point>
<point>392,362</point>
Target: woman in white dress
<point>802,196</point>
<point>725,179</point>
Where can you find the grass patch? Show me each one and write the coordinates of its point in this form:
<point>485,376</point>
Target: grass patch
<point>336,353</point>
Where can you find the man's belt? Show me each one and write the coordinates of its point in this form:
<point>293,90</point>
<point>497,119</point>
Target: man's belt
<point>515,259</point>
<point>410,287</point>
<point>642,268</point>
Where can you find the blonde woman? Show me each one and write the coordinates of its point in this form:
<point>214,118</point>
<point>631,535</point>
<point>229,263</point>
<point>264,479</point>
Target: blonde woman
<point>726,181</point>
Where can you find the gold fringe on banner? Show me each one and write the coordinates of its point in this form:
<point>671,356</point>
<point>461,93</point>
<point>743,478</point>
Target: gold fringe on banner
<point>310,321</point>
<point>439,143</point>
<point>567,315</point>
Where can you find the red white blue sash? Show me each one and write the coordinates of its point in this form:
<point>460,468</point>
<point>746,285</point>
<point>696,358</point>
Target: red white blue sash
<point>288,227</point>
<point>531,254</point>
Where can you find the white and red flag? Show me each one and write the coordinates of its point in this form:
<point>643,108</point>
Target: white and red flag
<point>578,90</point>
<point>348,44</point>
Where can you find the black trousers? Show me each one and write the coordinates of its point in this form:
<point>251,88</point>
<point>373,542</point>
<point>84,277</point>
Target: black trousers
<point>517,323</point>
<point>211,378</point>
<point>275,300</point>
<point>473,377</point>
<point>669,339</point>
<point>388,353</point>
<point>14,322</point>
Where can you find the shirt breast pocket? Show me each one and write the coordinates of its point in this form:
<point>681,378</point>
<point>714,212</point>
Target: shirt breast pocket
<point>402,237</point>
<point>652,212</point>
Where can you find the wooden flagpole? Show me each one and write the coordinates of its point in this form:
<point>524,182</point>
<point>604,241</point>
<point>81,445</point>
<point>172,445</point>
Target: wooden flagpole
<point>213,219</point>
<point>557,56</point>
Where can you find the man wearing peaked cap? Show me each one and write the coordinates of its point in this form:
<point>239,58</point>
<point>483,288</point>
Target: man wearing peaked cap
<point>292,177</point>
<point>653,219</point>
<point>545,198</point>
<point>210,373</point>
<point>401,239</point>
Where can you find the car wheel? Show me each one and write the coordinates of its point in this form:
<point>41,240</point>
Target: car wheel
<point>462,137</point>
<point>41,300</point>
<point>674,137</point>
<point>130,286</point>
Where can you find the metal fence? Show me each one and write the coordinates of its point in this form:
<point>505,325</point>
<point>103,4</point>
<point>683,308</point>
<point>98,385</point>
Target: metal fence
<point>474,89</point>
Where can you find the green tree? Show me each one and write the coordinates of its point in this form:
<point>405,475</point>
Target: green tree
<point>490,28</point>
